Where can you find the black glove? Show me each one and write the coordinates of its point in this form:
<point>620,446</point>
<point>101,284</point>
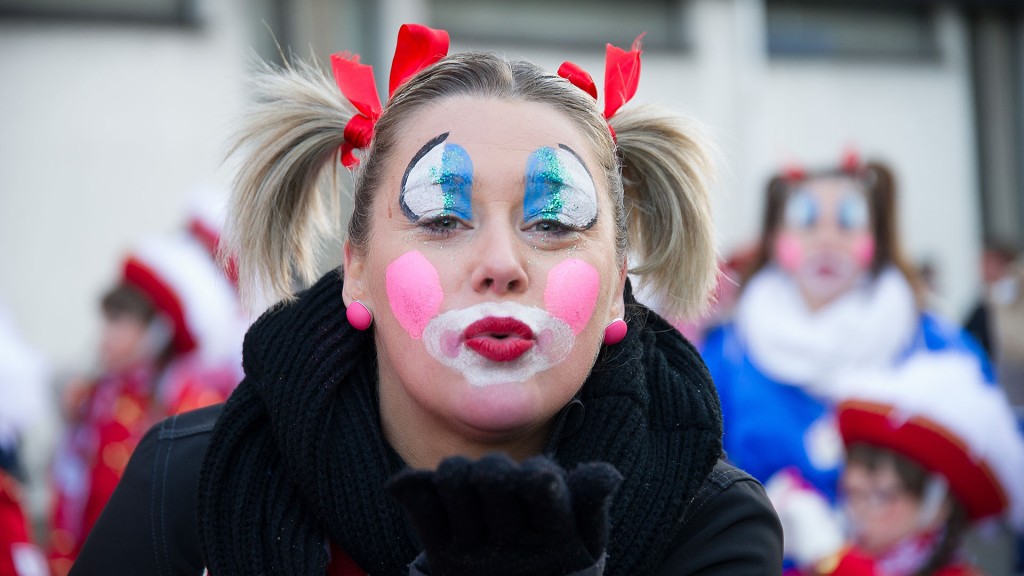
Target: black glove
<point>494,517</point>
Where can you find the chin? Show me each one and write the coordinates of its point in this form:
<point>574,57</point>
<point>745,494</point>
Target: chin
<point>825,287</point>
<point>502,408</point>
<point>825,292</point>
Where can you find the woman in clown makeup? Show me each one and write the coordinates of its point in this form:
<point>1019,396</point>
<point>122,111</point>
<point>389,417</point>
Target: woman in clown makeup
<point>474,390</point>
<point>829,291</point>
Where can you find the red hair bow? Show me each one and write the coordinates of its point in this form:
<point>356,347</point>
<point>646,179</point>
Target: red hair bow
<point>851,161</point>
<point>794,172</point>
<point>621,77</point>
<point>418,47</point>
<point>850,164</point>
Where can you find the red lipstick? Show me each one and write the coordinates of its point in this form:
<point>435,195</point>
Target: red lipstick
<point>499,339</point>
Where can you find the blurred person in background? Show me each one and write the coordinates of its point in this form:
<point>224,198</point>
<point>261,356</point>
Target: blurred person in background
<point>1004,310</point>
<point>997,320</point>
<point>171,342</point>
<point>932,449</point>
<point>24,383</point>
<point>829,290</point>
<point>1006,322</point>
<point>997,261</point>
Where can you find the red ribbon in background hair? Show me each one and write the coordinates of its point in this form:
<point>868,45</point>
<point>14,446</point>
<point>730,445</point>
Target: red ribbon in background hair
<point>793,172</point>
<point>418,47</point>
<point>851,161</point>
<point>850,164</point>
<point>621,77</point>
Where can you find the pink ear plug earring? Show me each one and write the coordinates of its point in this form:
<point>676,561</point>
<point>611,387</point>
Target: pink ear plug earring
<point>615,332</point>
<point>359,316</point>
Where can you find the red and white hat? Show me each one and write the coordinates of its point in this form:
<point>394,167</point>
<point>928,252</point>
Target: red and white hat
<point>178,274</point>
<point>938,410</point>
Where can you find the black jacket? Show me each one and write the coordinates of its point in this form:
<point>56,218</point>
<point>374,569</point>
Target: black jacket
<point>150,527</point>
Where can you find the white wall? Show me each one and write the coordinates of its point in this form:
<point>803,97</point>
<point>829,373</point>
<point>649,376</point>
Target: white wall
<point>105,133</point>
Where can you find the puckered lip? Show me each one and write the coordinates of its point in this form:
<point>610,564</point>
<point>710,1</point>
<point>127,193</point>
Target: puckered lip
<point>826,270</point>
<point>500,339</point>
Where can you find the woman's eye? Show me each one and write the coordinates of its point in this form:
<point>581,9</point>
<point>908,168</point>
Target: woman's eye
<point>444,224</point>
<point>801,210</point>
<point>551,227</point>
<point>853,213</point>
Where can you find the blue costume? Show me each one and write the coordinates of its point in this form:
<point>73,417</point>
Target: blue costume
<point>773,377</point>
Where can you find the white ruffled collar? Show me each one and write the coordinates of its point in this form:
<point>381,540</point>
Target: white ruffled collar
<point>871,325</point>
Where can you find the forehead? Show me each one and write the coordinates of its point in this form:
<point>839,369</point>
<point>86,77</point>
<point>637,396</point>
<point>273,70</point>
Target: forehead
<point>830,187</point>
<point>881,475</point>
<point>499,135</point>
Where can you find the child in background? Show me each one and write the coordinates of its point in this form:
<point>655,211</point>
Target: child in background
<point>171,342</point>
<point>931,449</point>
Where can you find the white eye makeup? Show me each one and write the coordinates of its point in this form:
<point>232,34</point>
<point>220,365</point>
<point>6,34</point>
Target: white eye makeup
<point>853,212</point>
<point>802,210</point>
<point>438,182</point>
<point>559,188</point>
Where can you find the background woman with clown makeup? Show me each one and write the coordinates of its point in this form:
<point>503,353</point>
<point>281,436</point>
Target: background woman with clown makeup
<point>829,291</point>
<point>475,391</point>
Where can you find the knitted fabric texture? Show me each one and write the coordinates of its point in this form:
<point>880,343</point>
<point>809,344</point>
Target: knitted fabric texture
<point>297,458</point>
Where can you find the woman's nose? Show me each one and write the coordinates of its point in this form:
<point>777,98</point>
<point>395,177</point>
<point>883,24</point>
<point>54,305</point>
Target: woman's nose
<point>828,232</point>
<point>500,262</point>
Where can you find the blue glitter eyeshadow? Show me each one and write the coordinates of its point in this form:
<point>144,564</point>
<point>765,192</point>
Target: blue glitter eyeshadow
<point>438,182</point>
<point>545,182</point>
<point>455,177</point>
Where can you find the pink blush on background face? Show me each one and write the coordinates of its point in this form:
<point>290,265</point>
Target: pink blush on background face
<point>414,291</point>
<point>788,252</point>
<point>864,251</point>
<point>571,293</point>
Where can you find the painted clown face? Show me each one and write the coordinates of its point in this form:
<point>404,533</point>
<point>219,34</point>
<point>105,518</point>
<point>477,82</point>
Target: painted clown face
<point>491,270</point>
<point>881,510</point>
<point>825,241</point>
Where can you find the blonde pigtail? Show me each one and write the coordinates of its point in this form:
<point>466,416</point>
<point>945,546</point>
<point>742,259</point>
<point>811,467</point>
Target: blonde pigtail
<point>285,199</point>
<point>667,170</point>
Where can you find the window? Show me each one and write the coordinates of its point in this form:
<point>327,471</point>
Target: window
<point>846,30</point>
<point>564,22</point>
<point>160,12</point>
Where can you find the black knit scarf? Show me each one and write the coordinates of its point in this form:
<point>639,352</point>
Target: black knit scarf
<point>297,457</point>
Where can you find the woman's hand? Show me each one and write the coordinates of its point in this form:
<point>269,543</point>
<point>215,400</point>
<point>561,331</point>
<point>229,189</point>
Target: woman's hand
<point>497,517</point>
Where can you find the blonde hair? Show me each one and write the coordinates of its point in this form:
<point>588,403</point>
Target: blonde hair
<point>288,184</point>
<point>285,198</point>
<point>667,172</point>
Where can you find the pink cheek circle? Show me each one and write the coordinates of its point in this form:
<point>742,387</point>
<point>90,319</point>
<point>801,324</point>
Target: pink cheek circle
<point>414,292</point>
<point>864,251</point>
<point>788,252</point>
<point>571,293</point>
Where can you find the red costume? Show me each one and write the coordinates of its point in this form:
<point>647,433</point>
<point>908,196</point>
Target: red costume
<point>18,555</point>
<point>853,562</point>
<point>88,465</point>
<point>197,300</point>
